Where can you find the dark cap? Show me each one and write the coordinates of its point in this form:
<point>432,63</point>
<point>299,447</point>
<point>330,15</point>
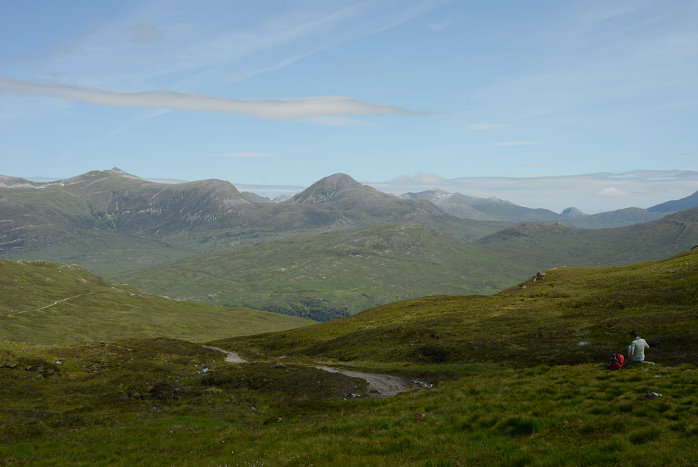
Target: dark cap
<point>633,333</point>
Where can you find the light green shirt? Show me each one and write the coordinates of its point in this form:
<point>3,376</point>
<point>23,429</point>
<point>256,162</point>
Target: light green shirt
<point>638,346</point>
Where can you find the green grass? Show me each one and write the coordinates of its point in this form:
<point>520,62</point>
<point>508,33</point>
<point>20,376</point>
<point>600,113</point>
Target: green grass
<point>536,322</point>
<point>325,276</point>
<point>505,391</point>
<point>51,303</point>
<point>144,402</point>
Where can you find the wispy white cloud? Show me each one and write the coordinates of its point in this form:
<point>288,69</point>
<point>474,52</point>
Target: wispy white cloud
<point>485,126</point>
<point>515,143</point>
<point>273,109</point>
<point>428,178</point>
<point>613,192</point>
<point>243,155</point>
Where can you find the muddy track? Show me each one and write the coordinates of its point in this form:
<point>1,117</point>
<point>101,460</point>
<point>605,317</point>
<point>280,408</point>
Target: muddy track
<point>378,385</point>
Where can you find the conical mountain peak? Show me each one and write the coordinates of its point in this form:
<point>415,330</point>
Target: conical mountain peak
<point>330,188</point>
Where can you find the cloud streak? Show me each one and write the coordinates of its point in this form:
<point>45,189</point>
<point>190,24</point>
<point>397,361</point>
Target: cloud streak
<point>270,109</point>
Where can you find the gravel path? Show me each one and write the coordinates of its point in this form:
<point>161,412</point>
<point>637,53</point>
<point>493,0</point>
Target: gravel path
<point>230,357</point>
<point>378,385</point>
<point>381,385</point>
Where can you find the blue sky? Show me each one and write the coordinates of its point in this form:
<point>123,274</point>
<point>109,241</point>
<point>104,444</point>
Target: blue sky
<point>286,92</point>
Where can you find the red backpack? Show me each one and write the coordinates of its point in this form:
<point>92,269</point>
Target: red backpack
<point>616,361</point>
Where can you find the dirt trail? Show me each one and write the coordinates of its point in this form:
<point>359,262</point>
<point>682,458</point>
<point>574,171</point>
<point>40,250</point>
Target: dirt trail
<point>378,385</point>
<point>381,385</point>
<point>230,357</point>
<point>49,306</point>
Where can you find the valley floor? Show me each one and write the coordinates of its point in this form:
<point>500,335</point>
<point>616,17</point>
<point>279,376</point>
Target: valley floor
<point>151,402</point>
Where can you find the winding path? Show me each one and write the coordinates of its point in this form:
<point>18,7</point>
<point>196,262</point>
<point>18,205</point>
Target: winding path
<point>49,306</point>
<point>378,385</point>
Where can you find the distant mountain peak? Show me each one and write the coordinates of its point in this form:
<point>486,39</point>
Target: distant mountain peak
<point>329,188</point>
<point>339,180</point>
<point>433,194</point>
<point>688,202</point>
<point>573,213</point>
<point>117,171</point>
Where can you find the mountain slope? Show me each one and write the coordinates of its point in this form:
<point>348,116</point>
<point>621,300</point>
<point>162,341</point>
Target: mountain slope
<point>617,218</point>
<point>324,276</point>
<point>549,245</point>
<point>53,303</point>
<point>335,273</point>
<point>688,202</point>
<point>492,209</point>
<point>572,315</point>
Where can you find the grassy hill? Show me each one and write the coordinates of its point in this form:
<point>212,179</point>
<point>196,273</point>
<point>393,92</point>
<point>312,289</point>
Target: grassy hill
<point>551,245</point>
<point>110,221</point>
<point>500,398</point>
<point>324,276</point>
<point>52,303</point>
<point>328,275</point>
<point>573,315</point>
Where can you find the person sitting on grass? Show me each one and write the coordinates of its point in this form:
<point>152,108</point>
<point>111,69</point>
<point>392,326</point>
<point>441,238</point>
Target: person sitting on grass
<point>636,350</point>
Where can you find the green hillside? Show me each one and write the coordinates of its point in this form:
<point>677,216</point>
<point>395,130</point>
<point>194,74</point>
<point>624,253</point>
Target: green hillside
<point>52,303</point>
<point>549,245</point>
<point>499,397</point>
<point>537,322</point>
<point>325,276</point>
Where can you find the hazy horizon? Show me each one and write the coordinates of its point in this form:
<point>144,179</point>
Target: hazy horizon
<point>587,192</point>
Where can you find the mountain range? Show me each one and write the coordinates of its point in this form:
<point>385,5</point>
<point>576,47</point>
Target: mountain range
<point>110,220</point>
<point>332,250</point>
<point>495,209</point>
